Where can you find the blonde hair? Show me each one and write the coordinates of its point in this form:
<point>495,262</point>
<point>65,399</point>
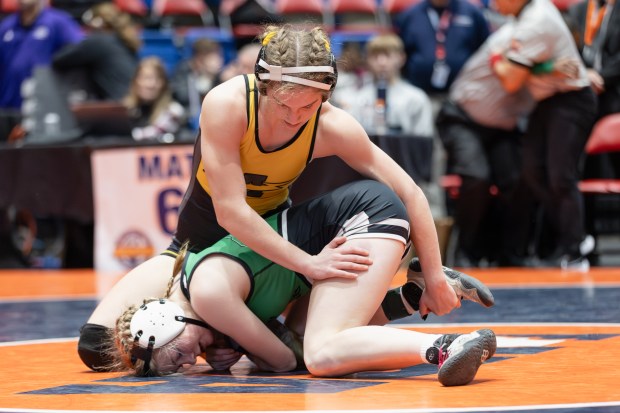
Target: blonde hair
<point>385,43</point>
<point>287,46</point>
<point>119,344</point>
<point>108,16</point>
<point>162,102</point>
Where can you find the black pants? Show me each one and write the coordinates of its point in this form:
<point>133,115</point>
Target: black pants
<point>553,153</point>
<point>482,157</point>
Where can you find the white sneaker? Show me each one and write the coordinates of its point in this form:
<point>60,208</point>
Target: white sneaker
<point>587,245</point>
<point>578,264</point>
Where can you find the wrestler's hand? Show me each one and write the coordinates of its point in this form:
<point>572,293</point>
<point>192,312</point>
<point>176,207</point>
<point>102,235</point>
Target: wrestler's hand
<point>220,355</point>
<point>439,298</point>
<point>339,260</point>
<point>221,358</point>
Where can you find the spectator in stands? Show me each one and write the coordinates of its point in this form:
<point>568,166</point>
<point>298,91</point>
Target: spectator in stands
<point>194,77</point>
<point>439,37</point>
<point>28,38</point>
<point>248,12</point>
<point>405,108</point>
<point>598,28</point>
<point>108,55</point>
<point>157,116</point>
<point>243,64</point>
<point>558,128</point>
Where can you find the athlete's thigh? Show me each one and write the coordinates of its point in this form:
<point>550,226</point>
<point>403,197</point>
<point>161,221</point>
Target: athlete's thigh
<point>148,279</point>
<point>339,304</point>
<point>360,206</point>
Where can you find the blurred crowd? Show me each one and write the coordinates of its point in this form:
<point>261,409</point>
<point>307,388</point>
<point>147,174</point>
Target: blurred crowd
<point>509,92</point>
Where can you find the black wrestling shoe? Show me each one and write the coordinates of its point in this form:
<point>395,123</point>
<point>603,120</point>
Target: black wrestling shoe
<point>443,342</point>
<point>460,355</point>
<point>465,286</point>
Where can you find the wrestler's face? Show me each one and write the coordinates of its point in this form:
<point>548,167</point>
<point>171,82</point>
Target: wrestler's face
<point>295,106</point>
<point>183,350</point>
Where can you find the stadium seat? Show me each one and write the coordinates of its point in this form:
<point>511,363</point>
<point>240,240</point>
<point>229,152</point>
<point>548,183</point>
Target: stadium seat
<point>602,193</point>
<point>163,44</point>
<point>301,11</point>
<point>185,13</point>
<point>340,38</point>
<point>224,38</point>
<point>564,5</point>
<point>605,138</point>
<point>393,7</point>
<point>389,9</point>
<point>136,8</point>
<point>8,7</point>
<point>353,15</point>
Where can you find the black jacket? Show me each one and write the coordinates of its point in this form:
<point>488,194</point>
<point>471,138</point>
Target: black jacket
<point>609,100</point>
<point>108,63</point>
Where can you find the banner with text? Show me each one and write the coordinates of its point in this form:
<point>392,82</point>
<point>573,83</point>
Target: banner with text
<point>136,195</point>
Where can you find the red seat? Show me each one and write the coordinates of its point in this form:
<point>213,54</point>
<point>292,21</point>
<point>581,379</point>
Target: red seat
<point>605,137</point>
<point>393,7</point>
<point>8,6</point>
<point>299,6</point>
<point>300,11</point>
<point>182,13</point>
<point>354,15</point>
<point>564,5</point>
<point>133,7</point>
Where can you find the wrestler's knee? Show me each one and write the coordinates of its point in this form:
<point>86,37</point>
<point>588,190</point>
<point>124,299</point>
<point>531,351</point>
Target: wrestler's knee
<point>319,359</point>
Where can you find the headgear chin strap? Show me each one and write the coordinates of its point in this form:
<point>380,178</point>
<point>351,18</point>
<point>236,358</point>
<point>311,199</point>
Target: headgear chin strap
<point>156,324</point>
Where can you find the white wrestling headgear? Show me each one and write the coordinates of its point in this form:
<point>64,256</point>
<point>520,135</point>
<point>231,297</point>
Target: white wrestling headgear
<point>279,74</point>
<point>265,71</point>
<point>156,324</point>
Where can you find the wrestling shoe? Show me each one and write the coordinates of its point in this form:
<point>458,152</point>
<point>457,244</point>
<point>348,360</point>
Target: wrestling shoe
<point>465,286</point>
<point>460,355</point>
<point>443,342</point>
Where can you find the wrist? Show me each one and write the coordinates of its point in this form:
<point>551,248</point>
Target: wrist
<point>494,59</point>
<point>542,68</point>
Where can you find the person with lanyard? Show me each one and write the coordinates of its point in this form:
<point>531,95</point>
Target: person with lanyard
<point>228,289</point>
<point>558,128</point>
<point>258,132</point>
<point>439,37</point>
<point>598,27</point>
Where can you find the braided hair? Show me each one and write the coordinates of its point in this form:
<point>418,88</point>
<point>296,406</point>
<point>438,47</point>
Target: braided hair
<point>287,46</point>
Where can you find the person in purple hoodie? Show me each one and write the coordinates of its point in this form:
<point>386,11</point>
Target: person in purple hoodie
<point>29,38</point>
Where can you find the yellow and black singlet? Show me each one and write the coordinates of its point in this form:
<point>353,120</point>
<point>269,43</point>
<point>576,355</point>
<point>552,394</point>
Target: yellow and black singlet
<point>268,175</point>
